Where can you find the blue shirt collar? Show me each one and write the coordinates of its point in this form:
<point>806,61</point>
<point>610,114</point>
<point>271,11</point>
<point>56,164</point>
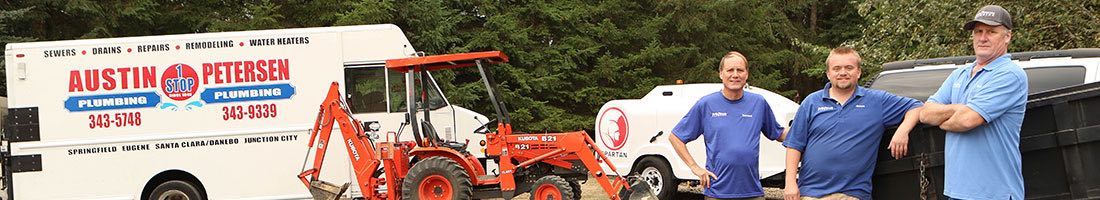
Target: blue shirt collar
<point>993,65</point>
<point>858,93</point>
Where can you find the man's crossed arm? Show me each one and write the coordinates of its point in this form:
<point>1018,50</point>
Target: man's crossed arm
<point>951,117</point>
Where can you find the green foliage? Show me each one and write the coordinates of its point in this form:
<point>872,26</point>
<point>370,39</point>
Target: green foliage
<point>9,17</point>
<point>252,15</point>
<point>367,12</point>
<point>569,57</point>
<point>916,29</point>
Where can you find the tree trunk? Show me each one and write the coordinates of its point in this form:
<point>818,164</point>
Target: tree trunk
<point>813,17</point>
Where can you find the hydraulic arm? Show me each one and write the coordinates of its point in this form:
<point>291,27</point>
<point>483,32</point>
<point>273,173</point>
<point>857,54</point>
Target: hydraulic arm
<point>361,150</point>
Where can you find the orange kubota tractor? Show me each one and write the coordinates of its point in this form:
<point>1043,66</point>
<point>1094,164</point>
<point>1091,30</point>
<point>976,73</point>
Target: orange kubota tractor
<point>548,165</point>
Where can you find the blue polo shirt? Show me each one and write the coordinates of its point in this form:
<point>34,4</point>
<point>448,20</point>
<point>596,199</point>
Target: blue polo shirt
<point>839,143</point>
<point>984,163</point>
<point>731,129</point>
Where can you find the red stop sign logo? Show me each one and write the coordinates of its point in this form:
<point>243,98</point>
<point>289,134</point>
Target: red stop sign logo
<point>179,82</point>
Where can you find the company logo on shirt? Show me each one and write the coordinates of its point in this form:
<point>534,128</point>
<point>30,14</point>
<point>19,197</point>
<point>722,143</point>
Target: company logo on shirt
<point>861,106</point>
<point>718,114</point>
<point>613,128</point>
<point>825,108</point>
<point>746,115</point>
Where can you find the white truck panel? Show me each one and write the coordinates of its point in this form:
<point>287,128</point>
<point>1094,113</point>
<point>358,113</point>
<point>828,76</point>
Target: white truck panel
<point>659,113</point>
<point>238,143</point>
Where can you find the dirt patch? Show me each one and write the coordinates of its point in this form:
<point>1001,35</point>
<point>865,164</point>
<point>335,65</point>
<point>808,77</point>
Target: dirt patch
<point>592,191</point>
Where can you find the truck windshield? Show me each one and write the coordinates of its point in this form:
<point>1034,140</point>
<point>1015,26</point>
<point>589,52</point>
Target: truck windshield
<point>1048,78</point>
<point>922,84</point>
<point>367,89</point>
<point>914,84</point>
<point>397,92</point>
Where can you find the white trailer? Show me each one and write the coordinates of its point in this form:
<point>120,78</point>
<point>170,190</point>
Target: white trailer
<point>634,134</point>
<point>202,116</point>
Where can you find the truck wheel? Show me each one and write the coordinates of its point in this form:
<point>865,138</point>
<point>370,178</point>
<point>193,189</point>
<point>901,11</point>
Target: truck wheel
<point>552,188</point>
<point>576,190</point>
<point>175,190</point>
<point>656,172</point>
<point>436,178</point>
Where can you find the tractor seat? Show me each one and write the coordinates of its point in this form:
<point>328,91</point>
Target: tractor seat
<point>432,135</point>
<point>457,146</point>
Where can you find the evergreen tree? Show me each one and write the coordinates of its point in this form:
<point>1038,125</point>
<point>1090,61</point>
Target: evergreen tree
<point>569,57</point>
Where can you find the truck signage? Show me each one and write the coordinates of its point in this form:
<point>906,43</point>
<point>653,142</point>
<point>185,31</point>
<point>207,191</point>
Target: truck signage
<point>180,86</point>
<point>128,87</point>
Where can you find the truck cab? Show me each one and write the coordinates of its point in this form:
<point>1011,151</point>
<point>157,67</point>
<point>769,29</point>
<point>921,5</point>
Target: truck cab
<point>1046,70</point>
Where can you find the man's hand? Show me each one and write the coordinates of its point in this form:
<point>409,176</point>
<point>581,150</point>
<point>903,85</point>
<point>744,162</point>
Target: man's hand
<point>899,144</point>
<point>705,176</point>
<point>681,150</point>
<point>790,192</point>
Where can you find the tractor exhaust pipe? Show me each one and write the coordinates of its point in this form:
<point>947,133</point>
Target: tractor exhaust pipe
<point>322,190</point>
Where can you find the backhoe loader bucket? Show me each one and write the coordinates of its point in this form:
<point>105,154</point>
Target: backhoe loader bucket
<point>322,190</point>
<point>639,190</point>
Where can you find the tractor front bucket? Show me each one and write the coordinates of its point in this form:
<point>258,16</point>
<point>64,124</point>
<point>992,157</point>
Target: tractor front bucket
<point>639,190</point>
<point>322,190</point>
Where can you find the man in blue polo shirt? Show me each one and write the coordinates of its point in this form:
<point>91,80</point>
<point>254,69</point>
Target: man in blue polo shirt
<point>836,133</point>
<point>731,121</point>
<point>981,106</point>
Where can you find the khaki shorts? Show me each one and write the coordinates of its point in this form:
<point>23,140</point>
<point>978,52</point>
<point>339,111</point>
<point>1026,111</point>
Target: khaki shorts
<point>749,198</point>
<point>833,196</point>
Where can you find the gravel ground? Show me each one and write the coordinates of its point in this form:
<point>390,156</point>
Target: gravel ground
<point>593,191</point>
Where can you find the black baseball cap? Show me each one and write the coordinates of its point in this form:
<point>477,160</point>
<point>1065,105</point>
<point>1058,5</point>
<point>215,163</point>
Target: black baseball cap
<point>992,15</point>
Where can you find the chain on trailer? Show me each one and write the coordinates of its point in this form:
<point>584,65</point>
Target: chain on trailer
<point>924,183</point>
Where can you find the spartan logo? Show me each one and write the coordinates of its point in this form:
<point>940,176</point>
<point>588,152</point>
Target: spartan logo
<point>613,128</point>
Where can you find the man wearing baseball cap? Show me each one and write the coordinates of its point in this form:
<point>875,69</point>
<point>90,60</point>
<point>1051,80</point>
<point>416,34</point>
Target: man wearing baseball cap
<point>981,106</point>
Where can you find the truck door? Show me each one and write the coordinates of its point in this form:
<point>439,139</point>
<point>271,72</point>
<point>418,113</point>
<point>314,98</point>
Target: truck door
<point>365,87</point>
<point>442,114</point>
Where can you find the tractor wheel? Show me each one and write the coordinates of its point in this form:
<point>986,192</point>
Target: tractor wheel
<point>576,190</point>
<point>436,178</point>
<point>552,188</point>
<point>656,172</point>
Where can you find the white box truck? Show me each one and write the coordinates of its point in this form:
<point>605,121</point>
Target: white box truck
<point>202,116</point>
<point>634,135</point>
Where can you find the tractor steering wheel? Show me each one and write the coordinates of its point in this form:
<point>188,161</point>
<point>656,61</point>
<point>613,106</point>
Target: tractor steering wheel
<point>484,128</point>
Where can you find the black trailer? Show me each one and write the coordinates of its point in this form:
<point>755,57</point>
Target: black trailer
<point>1059,142</point>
